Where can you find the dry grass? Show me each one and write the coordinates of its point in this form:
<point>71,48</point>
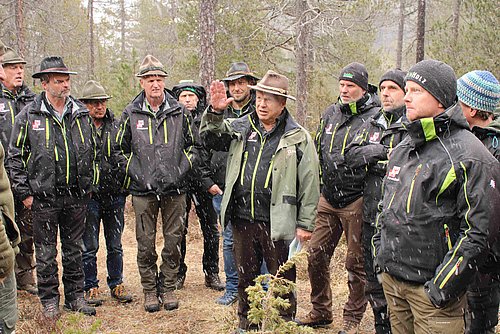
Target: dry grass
<point>198,313</point>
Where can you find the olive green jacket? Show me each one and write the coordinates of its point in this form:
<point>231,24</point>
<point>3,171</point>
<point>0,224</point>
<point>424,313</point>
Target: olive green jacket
<point>295,174</point>
<point>9,233</point>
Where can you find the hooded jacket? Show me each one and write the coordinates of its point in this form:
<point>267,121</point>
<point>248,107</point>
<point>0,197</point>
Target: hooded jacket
<point>34,154</point>
<point>294,174</point>
<point>341,184</point>
<point>437,215</point>
<point>157,149</point>
<point>10,106</point>
<point>9,233</point>
<point>370,148</point>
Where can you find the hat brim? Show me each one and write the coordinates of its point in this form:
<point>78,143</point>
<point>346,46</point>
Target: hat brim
<point>270,91</point>
<point>13,61</point>
<point>157,73</point>
<point>99,97</point>
<point>238,76</point>
<point>38,75</point>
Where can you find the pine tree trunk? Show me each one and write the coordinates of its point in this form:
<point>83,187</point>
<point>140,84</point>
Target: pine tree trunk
<point>123,19</point>
<point>455,22</point>
<point>420,31</point>
<point>207,42</point>
<point>302,61</point>
<point>401,28</point>
<point>21,45</point>
<point>91,64</point>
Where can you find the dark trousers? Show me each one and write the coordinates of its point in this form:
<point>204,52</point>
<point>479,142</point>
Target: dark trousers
<point>209,227</point>
<point>330,224</point>
<point>173,213</point>
<point>373,288</point>
<point>252,243</point>
<point>66,214</point>
<point>110,209</point>
<point>25,259</point>
<point>483,297</point>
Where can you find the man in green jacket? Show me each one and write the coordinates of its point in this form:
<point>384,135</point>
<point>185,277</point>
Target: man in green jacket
<point>272,182</point>
<point>9,239</point>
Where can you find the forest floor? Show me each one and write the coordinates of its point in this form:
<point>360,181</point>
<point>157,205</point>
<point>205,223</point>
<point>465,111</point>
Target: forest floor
<point>198,312</point>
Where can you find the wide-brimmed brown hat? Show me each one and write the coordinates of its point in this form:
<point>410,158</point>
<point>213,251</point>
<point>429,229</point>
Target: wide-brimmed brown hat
<point>93,90</point>
<point>11,57</point>
<point>52,64</point>
<point>239,70</point>
<point>151,66</point>
<point>273,83</point>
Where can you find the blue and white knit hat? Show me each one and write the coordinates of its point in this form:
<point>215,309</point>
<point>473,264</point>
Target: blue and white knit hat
<point>479,90</point>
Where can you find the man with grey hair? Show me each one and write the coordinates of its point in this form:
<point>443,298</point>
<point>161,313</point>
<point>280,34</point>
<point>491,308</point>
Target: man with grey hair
<point>158,148</point>
<point>52,170</point>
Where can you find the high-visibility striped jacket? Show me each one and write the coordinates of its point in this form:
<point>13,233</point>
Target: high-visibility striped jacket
<point>10,106</point>
<point>440,193</point>
<point>157,149</point>
<point>46,152</point>
<point>339,124</point>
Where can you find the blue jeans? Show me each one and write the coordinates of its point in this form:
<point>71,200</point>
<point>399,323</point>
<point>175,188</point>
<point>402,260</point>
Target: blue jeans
<point>109,209</point>
<point>230,269</point>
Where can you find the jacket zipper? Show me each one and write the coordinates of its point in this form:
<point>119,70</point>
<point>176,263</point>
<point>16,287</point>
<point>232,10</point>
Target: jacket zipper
<point>150,131</point>
<point>453,270</point>
<point>269,172</point>
<point>333,136</point>
<point>408,202</point>
<point>254,174</point>
<point>447,236</point>
<point>245,157</point>
<point>47,132</point>
<point>345,140</point>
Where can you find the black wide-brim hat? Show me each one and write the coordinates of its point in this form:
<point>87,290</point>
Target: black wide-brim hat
<point>239,70</point>
<point>52,64</point>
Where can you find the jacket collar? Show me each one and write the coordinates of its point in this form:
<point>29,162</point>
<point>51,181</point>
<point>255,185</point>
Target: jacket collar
<point>427,129</point>
<point>358,107</point>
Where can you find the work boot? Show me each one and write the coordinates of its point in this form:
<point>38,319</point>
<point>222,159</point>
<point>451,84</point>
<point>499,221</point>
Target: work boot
<point>151,303</point>
<point>169,300</point>
<point>51,310</point>
<point>179,283</point>
<point>29,288</point>
<point>212,281</point>
<point>79,305</point>
<point>227,298</point>
<point>92,297</point>
<point>314,321</point>
<point>119,293</point>
<point>350,327</point>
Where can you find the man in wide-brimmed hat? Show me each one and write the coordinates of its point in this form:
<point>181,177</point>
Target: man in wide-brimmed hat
<point>272,182</point>
<point>15,95</point>
<point>201,189</point>
<point>159,148</point>
<point>237,81</point>
<point>107,203</point>
<point>52,169</point>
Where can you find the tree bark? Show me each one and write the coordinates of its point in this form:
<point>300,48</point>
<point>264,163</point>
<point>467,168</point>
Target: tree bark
<point>123,19</point>
<point>302,61</point>
<point>91,65</point>
<point>455,22</point>
<point>420,31</point>
<point>207,42</point>
<point>21,45</point>
<point>401,28</point>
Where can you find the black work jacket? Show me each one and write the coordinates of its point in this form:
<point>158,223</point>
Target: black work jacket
<point>438,208</point>
<point>341,184</point>
<point>34,155</point>
<point>157,149</point>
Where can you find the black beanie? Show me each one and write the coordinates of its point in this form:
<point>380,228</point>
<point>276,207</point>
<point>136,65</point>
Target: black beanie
<point>357,73</point>
<point>437,78</point>
<point>397,76</point>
